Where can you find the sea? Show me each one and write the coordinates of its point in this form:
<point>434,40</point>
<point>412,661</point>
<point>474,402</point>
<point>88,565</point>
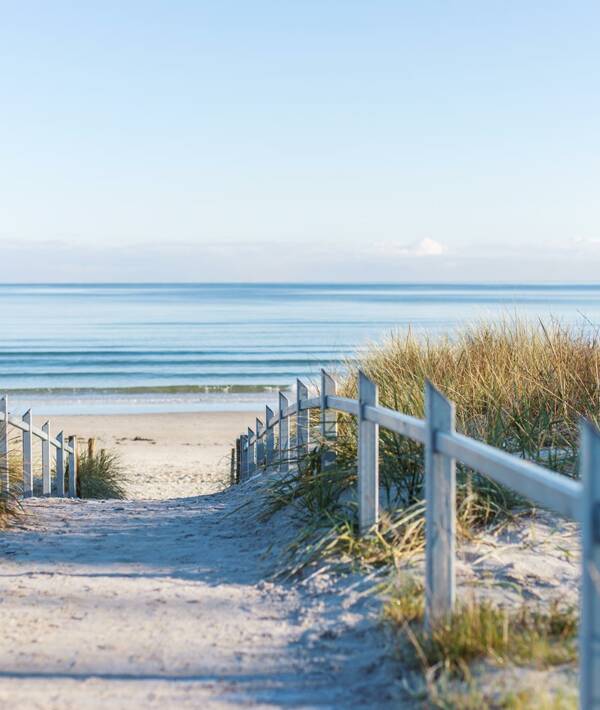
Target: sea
<point>126,348</point>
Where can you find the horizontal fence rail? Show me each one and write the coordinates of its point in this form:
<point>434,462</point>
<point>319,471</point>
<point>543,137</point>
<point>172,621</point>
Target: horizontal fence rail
<point>64,449</point>
<point>443,449</point>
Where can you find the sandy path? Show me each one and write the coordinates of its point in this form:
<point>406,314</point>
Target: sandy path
<point>144,604</point>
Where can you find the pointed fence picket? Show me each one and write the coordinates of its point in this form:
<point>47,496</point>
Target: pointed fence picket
<point>444,447</point>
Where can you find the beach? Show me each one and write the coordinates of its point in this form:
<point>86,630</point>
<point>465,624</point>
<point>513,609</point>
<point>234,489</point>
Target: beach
<point>164,455</point>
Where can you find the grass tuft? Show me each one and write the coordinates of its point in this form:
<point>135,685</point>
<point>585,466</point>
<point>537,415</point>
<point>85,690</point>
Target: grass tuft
<point>100,475</point>
<point>479,630</point>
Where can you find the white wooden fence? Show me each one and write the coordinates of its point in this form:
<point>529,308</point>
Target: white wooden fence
<point>65,451</point>
<point>578,500</point>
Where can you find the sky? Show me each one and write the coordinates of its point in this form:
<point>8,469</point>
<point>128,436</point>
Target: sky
<point>328,140</point>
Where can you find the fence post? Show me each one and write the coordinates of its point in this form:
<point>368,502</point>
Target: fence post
<point>589,624</point>
<point>251,453</point>
<point>4,446</point>
<point>233,460</point>
<point>368,457</point>
<point>440,510</point>
<point>27,457</point>
<point>301,422</point>
<point>60,465</point>
<point>242,467</point>
<point>269,438</point>
<point>46,483</point>
<point>328,421</point>
<point>260,444</point>
<point>73,467</point>
<point>284,434</point>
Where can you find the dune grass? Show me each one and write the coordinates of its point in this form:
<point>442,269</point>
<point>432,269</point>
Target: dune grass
<point>481,632</point>
<point>478,629</point>
<point>10,508</point>
<point>517,386</point>
<point>521,387</point>
<point>100,475</point>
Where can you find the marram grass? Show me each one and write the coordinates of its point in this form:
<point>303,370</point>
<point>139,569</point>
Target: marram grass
<point>518,386</point>
<point>10,508</point>
<point>100,475</point>
<point>481,630</point>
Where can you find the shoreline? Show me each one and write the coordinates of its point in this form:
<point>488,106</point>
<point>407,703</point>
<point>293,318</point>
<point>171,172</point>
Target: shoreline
<point>141,403</point>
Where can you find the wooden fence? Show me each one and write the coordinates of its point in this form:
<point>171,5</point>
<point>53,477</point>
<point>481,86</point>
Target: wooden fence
<point>269,446</point>
<point>65,451</point>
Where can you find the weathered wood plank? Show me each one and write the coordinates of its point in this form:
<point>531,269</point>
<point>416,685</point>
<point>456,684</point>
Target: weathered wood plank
<point>46,482</point>
<point>301,422</point>
<point>589,625</point>
<point>269,438</point>
<point>27,456</point>
<point>60,465</point>
<point>328,421</point>
<point>284,434</point>
<point>73,467</point>
<point>440,510</point>
<point>4,446</point>
<point>368,458</point>
<point>260,444</point>
<point>251,453</point>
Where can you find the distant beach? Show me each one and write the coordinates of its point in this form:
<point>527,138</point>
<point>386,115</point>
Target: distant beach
<point>126,348</point>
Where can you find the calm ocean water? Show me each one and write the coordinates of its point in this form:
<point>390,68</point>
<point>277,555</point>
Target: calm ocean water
<point>180,347</point>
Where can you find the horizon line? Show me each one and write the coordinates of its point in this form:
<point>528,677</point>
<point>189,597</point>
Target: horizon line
<point>533,282</point>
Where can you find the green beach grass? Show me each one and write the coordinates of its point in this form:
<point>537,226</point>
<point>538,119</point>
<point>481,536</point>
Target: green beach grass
<point>520,387</point>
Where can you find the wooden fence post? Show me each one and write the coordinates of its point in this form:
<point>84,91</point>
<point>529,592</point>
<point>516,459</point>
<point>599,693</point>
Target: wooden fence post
<point>301,422</point>
<point>284,434</point>
<point>46,482</point>
<point>260,444</point>
<point>232,462</point>
<point>60,465</point>
<point>269,438</point>
<point>91,448</point>
<point>27,456</point>
<point>440,511</point>
<point>242,467</point>
<point>368,457</point>
<point>4,446</point>
<point>251,453</point>
<point>589,623</point>
<point>73,467</point>
<point>328,421</point>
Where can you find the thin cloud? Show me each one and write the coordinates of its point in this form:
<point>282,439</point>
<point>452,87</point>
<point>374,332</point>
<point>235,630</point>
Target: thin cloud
<point>422,248</point>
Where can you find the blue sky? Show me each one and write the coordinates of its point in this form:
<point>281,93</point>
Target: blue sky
<point>329,139</point>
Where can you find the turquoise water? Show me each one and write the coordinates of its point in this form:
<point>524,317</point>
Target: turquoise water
<point>183,347</point>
